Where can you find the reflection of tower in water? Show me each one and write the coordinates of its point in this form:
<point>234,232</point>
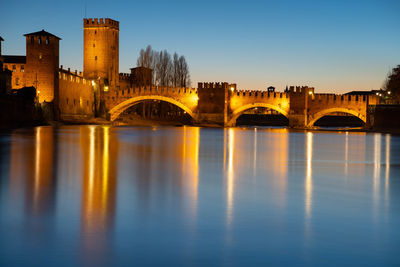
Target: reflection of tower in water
<point>99,149</point>
<point>34,163</point>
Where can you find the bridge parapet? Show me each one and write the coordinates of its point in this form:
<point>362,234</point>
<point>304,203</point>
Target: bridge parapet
<point>259,94</point>
<point>118,101</point>
<point>319,105</point>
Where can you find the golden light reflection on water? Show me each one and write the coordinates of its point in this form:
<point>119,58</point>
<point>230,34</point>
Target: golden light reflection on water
<point>274,152</point>
<point>32,168</point>
<point>377,171</point>
<point>230,174</point>
<point>100,154</point>
<point>308,181</point>
<point>387,167</point>
<point>346,155</point>
<point>255,153</point>
<point>190,165</point>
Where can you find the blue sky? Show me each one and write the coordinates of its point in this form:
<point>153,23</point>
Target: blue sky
<point>335,46</point>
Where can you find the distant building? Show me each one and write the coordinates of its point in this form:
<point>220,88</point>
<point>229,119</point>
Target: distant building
<point>361,93</point>
<point>16,64</point>
<point>5,76</point>
<point>141,76</point>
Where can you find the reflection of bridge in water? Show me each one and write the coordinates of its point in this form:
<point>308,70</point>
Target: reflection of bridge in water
<point>221,103</point>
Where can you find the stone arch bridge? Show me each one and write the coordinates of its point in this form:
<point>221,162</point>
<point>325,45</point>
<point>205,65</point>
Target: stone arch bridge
<point>221,104</point>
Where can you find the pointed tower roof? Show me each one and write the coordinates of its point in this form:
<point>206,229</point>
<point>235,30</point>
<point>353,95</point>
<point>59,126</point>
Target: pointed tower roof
<point>42,33</point>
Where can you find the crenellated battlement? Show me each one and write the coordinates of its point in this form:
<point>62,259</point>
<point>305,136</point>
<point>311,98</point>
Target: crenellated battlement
<point>71,76</point>
<point>300,89</point>
<point>125,76</point>
<point>342,98</point>
<point>213,85</point>
<point>260,94</point>
<point>157,90</point>
<point>95,23</point>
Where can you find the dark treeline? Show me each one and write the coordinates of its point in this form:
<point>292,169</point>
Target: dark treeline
<point>392,83</point>
<point>167,70</point>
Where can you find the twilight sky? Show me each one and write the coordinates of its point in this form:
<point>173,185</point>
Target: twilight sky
<point>335,46</point>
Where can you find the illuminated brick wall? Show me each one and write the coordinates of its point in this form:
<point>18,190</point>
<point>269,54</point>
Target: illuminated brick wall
<point>101,51</point>
<point>42,61</point>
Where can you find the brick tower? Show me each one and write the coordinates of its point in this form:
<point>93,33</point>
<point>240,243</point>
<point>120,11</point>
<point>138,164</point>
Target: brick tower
<point>101,52</point>
<point>42,61</point>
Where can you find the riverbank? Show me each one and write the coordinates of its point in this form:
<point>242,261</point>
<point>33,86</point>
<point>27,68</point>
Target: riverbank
<point>160,123</point>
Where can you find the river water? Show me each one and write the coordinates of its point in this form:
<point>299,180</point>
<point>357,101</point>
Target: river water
<point>173,196</point>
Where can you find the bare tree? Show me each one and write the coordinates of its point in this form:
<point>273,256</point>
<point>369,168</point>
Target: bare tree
<point>184,76</point>
<point>176,70</point>
<point>146,58</point>
<point>167,71</point>
<point>392,83</point>
<point>163,69</point>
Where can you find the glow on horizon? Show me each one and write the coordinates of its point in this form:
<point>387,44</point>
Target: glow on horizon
<point>334,46</point>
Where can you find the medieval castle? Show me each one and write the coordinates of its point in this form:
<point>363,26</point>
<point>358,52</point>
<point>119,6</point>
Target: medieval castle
<point>102,91</point>
<point>74,94</point>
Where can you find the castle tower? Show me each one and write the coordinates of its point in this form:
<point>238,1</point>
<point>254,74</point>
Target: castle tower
<point>42,61</point>
<point>1,39</point>
<point>101,52</point>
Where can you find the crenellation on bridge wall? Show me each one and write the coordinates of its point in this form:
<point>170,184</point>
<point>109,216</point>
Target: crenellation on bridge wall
<point>221,103</point>
<point>185,98</point>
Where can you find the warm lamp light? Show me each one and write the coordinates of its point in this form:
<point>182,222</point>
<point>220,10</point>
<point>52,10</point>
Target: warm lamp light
<point>232,88</point>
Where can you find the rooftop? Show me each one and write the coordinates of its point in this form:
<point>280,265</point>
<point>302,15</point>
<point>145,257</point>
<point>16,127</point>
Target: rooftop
<point>42,33</point>
<point>14,59</point>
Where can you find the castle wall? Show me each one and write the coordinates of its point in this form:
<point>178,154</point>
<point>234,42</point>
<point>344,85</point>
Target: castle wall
<point>76,99</point>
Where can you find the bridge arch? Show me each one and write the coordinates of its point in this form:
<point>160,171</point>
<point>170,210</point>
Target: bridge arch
<point>239,111</point>
<point>324,112</point>
<point>121,107</point>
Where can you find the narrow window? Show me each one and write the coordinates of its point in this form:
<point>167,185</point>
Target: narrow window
<point>47,41</point>
<point>40,40</point>
<point>67,101</point>
<point>74,102</point>
<point>16,81</point>
<point>40,56</point>
<point>95,32</point>
<point>14,68</point>
<point>94,45</point>
<point>95,58</point>
<point>22,68</point>
<point>32,40</point>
